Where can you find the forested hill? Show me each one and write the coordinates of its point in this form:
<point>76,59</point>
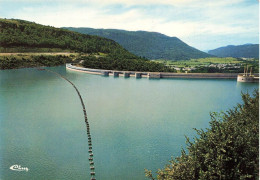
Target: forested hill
<point>151,45</point>
<point>98,52</point>
<point>24,36</point>
<point>247,51</point>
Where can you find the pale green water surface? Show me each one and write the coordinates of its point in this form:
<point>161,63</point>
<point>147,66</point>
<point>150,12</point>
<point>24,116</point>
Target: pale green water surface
<point>135,123</point>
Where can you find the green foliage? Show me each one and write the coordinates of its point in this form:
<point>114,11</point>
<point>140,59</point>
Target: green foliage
<point>227,150</point>
<point>13,62</point>
<point>246,51</point>
<point>148,44</point>
<point>24,36</point>
<point>119,62</point>
<point>217,70</point>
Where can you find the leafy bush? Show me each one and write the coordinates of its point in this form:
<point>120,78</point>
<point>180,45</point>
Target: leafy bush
<point>227,150</point>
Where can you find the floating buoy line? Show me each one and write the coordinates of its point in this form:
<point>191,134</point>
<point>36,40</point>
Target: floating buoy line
<point>91,159</point>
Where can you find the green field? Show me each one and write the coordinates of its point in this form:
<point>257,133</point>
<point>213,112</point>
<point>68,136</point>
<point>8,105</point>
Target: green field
<point>202,61</point>
<point>213,64</point>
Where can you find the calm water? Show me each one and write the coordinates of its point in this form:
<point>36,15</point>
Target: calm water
<point>135,123</point>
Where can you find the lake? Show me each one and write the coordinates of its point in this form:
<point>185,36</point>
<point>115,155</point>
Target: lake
<point>134,123</point>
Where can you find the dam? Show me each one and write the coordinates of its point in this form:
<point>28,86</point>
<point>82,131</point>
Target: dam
<point>152,75</point>
<point>248,77</point>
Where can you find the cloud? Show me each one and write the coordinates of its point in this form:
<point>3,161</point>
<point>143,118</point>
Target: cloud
<point>186,19</point>
<point>183,3</point>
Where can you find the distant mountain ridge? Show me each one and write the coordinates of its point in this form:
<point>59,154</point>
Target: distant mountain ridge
<point>246,50</point>
<point>151,45</point>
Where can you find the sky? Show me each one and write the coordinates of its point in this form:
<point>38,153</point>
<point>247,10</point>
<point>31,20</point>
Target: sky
<point>203,24</point>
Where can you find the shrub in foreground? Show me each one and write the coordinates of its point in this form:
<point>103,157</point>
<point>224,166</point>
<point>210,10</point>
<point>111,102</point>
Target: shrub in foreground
<point>229,149</point>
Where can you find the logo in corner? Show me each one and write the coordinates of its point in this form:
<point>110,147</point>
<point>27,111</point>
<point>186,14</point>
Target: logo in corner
<point>19,168</point>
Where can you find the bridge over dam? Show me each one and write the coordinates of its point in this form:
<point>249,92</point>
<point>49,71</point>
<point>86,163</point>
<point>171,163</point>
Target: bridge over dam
<point>152,75</point>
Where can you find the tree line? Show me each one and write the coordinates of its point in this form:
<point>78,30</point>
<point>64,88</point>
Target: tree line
<point>13,62</point>
<point>118,62</point>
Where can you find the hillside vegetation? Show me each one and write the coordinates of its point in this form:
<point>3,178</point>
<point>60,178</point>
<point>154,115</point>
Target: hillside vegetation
<point>24,36</point>
<point>246,51</point>
<point>150,45</point>
<point>29,60</point>
<point>226,150</point>
<point>116,63</point>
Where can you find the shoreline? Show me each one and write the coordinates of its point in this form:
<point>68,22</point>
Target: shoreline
<point>154,75</point>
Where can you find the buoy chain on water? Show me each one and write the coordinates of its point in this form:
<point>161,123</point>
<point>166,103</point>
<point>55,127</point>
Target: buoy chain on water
<point>91,160</point>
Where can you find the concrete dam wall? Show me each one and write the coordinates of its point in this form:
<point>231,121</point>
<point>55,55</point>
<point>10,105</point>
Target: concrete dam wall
<point>154,75</point>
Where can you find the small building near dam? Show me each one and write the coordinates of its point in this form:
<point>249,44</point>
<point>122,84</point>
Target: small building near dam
<point>248,77</point>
